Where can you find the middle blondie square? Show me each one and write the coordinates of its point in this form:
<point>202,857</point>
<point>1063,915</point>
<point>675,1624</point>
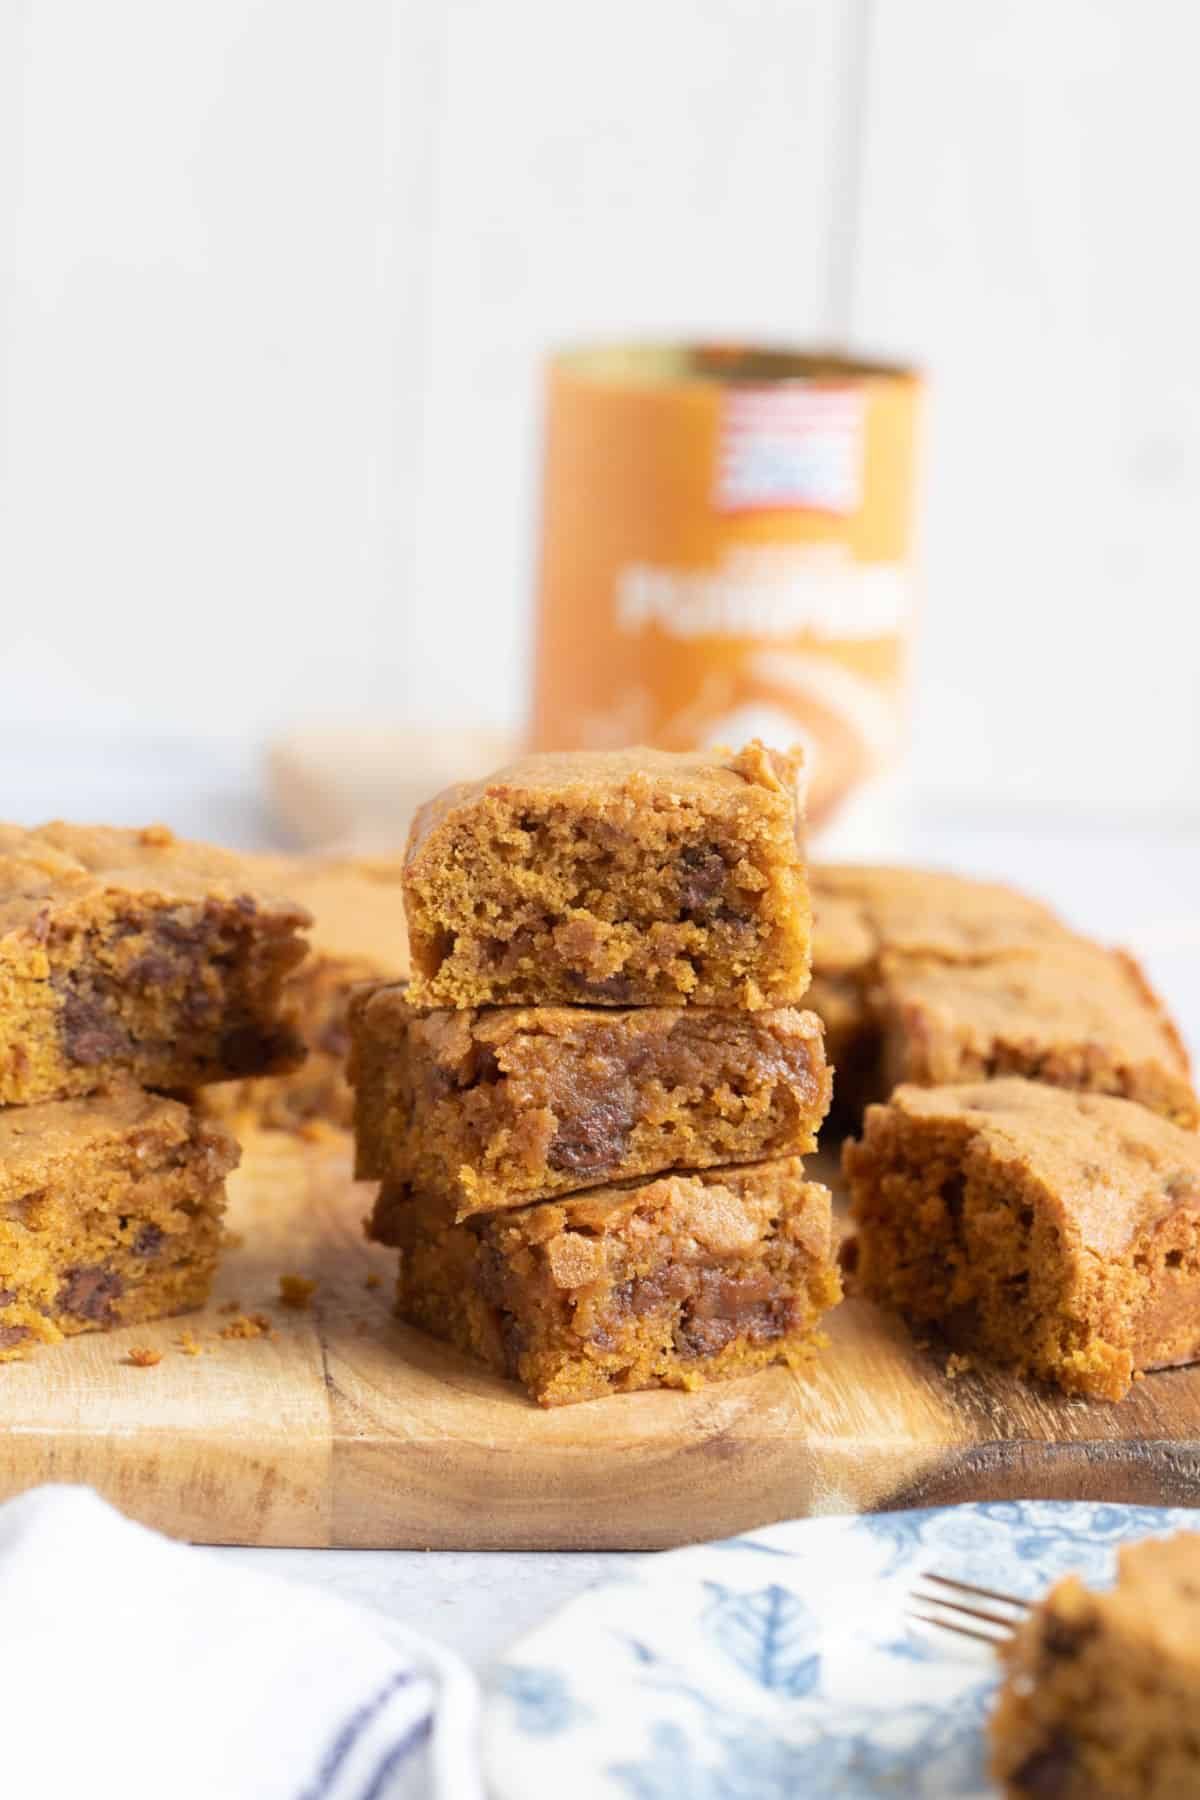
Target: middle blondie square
<point>495,1107</point>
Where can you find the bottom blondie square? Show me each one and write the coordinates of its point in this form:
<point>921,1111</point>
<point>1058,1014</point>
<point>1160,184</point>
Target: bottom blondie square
<point>110,1213</point>
<point>1102,1689</point>
<point>1055,1231</point>
<point>672,1282</point>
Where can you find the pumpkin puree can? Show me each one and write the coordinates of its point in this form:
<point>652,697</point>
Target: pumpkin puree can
<point>727,552</point>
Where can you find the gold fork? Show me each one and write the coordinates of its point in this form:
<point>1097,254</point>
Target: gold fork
<point>953,1614</point>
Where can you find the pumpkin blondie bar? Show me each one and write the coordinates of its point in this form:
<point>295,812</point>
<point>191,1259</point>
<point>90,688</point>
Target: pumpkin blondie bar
<point>128,952</point>
<point>501,1106</point>
<point>1055,1231</point>
<point>673,1282</point>
<point>1075,1015</point>
<point>1102,1689</point>
<point>623,878</point>
<point>110,1213</point>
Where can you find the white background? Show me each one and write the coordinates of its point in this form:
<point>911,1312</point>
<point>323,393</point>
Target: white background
<point>276,276</point>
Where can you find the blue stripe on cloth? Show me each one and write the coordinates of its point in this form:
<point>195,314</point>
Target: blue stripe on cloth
<point>349,1735</point>
<point>416,1734</point>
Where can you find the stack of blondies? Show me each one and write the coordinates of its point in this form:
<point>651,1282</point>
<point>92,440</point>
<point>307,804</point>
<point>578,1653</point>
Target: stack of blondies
<point>133,970</point>
<point>587,1109</point>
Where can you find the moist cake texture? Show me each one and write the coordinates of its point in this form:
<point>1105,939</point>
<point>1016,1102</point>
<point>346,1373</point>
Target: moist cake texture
<point>1074,1015</point>
<point>624,878</point>
<point>1054,1231</point>
<point>358,937</point>
<point>1102,1690</point>
<point>128,952</point>
<point>110,1213</point>
<point>673,1282</point>
<point>490,1108</point>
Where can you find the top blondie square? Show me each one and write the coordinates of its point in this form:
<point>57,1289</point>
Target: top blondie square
<point>621,878</point>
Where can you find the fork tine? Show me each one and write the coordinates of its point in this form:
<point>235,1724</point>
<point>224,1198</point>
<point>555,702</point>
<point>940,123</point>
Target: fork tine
<point>997,1627</point>
<point>969,1587</point>
<point>982,1637</point>
<point>972,1612</point>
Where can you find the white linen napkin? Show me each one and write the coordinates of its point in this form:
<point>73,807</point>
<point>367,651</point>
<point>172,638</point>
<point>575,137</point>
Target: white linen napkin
<point>138,1667</point>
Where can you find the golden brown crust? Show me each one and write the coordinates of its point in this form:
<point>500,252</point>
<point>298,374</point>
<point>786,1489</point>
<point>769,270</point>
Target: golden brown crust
<point>500,1106</point>
<point>1074,1015</point>
<point>935,912</point>
<point>61,865</point>
<point>576,777</point>
<point>640,877</point>
<point>1053,1230</point>
<point>672,1282</point>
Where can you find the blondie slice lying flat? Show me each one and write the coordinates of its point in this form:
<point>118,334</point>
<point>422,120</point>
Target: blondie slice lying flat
<point>666,1283</point>
<point>358,936</point>
<point>624,878</point>
<point>110,1213</point>
<point>493,1108</point>
<point>1102,1690</point>
<point>1055,1231</point>
<point>129,952</point>
<point>1074,1015</point>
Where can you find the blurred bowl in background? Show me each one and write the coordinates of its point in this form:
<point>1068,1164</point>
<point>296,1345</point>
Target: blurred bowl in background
<point>355,789</point>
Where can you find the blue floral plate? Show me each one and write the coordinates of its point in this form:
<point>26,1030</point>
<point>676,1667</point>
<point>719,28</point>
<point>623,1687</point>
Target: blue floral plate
<point>781,1664</point>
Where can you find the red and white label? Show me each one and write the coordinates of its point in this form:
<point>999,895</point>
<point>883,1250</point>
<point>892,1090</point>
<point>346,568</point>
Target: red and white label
<point>792,444</point>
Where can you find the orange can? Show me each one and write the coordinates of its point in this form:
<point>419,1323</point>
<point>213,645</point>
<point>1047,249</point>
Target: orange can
<point>726,553</point>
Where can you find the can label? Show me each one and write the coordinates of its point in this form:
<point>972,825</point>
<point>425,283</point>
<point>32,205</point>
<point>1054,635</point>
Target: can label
<point>725,558</point>
<point>795,444</point>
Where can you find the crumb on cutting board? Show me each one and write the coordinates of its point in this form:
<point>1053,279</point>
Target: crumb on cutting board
<point>143,1357</point>
<point>296,1291</point>
<point>248,1325</point>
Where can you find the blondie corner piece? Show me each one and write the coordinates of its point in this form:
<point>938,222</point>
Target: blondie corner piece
<point>624,878</point>
<point>668,1283</point>
<point>130,953</point>
<point>110,1213</point>
<point>1102,1690</point>
<point>491,1108</point>
<point>1075,1015</point>
<point>358,937</point>
<point>1054,1231</point>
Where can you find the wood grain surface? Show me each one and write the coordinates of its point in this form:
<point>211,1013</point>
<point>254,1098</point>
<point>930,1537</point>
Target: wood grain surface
<point>346,1428</point>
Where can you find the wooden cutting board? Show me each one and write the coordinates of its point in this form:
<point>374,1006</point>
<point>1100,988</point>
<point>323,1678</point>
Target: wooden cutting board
<point>346,1428</point>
